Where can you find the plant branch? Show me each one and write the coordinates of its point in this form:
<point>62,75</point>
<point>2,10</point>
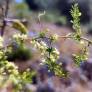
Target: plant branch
<point>82,38</point>
<point>5,16</point>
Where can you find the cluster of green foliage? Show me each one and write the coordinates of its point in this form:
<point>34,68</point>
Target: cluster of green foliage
<point>18,50</point>
<point>50,54</point>
<point>10,75</point>
<point>45,44</point>
<point>76,14</point>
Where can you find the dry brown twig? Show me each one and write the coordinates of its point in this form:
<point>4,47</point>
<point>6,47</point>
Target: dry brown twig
<point>82,38</point>
<point>5,11</point>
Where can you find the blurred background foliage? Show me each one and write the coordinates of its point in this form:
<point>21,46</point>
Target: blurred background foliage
<point>61,7</point>
<point>57,11</point>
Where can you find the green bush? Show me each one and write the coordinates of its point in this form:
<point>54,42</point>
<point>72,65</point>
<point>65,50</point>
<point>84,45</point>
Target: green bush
<point>21,53</point>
